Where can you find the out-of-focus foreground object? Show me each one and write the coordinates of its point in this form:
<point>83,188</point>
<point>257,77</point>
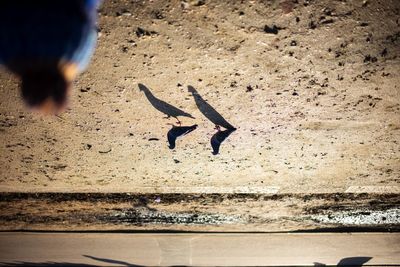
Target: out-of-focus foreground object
<point>47,43</point>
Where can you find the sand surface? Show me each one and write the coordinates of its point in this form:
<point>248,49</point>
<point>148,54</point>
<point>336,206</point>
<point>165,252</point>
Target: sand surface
<point>316,106</point>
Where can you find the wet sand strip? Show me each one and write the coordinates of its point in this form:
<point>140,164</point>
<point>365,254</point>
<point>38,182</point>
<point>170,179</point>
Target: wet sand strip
<point>199,212</point>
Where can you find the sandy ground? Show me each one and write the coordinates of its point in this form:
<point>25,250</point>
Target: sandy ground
<point>316,105</point>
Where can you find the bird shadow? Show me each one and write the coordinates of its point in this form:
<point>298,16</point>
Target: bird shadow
<point>178,131</point>
<point>69,264</point>
<point>218,138</point>
<point>45,264</point>
<point>123,263</point>
<point>162,106</point>
<point>208,111</point>
<point>215,117</point>
<point>350,261</point>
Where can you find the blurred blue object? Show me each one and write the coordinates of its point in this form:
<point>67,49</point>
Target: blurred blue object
<point>47,43</point>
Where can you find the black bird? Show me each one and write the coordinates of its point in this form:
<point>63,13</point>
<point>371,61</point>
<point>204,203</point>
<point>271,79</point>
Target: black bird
<point>177,131</point>
<point>208,111</point>
<point>218,138</point>
<point>162,106</point>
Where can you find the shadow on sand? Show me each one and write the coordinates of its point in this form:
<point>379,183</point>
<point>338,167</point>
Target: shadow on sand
<point>351,261</point>
<point>123,263</point>
<point>215,117</point>
<point>69,264</point>
<point>208,111</point>
<point>163,106</point>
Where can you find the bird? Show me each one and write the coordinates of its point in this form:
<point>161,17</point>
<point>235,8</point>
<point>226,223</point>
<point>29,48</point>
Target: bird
<point>218,138</point>
<point>162,106</point>
<point>178,131</point>
<point>208,111</point>
<point>46,44</point>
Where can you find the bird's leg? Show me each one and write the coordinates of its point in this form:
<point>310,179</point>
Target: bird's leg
<point>218,128</point>
<point>178,121</point>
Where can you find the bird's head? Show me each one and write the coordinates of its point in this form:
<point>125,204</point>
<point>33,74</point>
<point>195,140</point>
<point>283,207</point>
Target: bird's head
<point>45,88</point>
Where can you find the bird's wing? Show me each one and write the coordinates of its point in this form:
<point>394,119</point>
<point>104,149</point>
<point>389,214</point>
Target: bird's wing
<point>171,138</point>
<point>218,138</point>
<point>178,131</point>
<point>215,144</point>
